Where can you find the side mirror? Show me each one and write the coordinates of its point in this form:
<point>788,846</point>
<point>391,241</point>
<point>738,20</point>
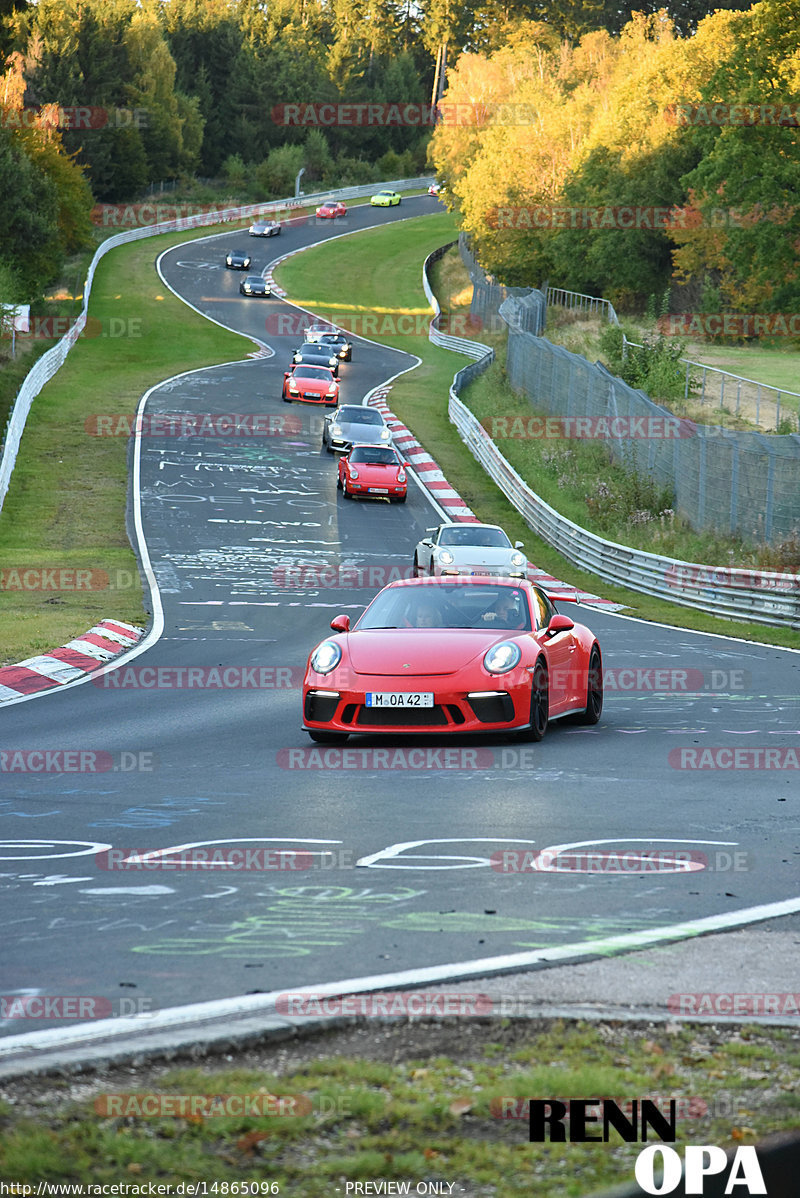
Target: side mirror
<point>558,624</point>
<point>342,624</point>
<point>519,544</point>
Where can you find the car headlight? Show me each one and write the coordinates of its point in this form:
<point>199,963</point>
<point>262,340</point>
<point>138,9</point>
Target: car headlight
<point>332,362</point>
<point>353,471</point>
<point>326,657</point>
<point>517,559</point>
<point>445,556</point>
<point>336,429</point>
<point>332,389</point>
<point>401,475</point>
<point>385,434</point>
<point>502,658</point>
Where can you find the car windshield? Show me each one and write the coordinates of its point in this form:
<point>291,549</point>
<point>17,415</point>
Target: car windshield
<point>313,372</point>
<point>254,279</point>
<point>472,535</point>
<point>374,456</point>
<point>312,350</point>
<point>492,608</point>
<point>359,416</point>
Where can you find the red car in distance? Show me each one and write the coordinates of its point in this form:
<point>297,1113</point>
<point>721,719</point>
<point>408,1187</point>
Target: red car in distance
<point>373,471</point>
<point>314,384</point>
<point>331,209</point>
<point>452,655</point>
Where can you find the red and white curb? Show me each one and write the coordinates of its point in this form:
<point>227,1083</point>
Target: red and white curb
<point>74,660</point>
<point>447,498</point>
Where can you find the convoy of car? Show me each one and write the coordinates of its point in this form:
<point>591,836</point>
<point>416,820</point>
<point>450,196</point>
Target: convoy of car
<point>468,644</point>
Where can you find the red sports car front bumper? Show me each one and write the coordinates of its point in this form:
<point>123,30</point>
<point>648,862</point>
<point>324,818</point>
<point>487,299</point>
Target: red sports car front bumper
<point>502,704</point>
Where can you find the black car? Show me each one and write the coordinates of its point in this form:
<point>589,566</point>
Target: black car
<point>254,285</point>
<point>238,260</point>
<point>337,343</point>
<point>313,354</point>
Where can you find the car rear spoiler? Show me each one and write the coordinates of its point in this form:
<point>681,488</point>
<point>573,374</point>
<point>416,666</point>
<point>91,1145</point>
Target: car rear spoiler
<point>566,595</point>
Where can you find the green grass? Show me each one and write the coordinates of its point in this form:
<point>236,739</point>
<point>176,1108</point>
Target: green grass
<point>429,1115</point>
<point>66,504</point>
<point>380,272</point>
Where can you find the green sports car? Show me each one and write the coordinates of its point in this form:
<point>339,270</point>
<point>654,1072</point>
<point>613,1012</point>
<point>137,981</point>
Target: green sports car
<point>385,199</point>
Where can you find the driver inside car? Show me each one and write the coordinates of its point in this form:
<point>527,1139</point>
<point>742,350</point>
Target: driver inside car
<point>505,612</point>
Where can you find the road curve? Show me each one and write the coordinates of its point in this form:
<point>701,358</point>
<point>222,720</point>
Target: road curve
<point>254,551</point>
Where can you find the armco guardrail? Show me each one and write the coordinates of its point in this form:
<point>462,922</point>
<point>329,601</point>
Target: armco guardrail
<point>737,593</point>
<point>767,597</point>
<point>461,345</point>
<point>51,362</point>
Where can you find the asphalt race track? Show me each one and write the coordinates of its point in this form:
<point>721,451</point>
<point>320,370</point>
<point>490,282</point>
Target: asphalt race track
<point>255,551</point>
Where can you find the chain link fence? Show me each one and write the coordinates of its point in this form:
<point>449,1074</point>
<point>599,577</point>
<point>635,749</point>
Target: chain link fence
<point>732,481</point>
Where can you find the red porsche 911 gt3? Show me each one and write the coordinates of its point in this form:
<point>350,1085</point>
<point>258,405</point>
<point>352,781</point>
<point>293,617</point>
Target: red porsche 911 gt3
<point>314,384</point>
<point>442,655</point>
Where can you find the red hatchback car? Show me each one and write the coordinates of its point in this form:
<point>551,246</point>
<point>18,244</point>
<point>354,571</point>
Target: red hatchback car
<point>452,655</point>
<point>314,384</point>
<point>375,471</point>
<point>332,208</point>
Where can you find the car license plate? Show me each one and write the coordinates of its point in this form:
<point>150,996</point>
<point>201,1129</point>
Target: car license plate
<point>379,490</point>
<point>310,395</point>
<point>482,573</point>
<point>399,699</point>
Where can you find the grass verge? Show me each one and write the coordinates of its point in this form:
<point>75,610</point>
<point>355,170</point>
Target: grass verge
<point>65,509</point>
<point>409,1103</point>
<point>378,276</point>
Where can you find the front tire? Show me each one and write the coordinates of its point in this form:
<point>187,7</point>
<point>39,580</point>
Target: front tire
<point>540,703</point>
<point>345,491</point>
<point>286,398</point>
<point>327,738</point>
<point>594,691</point>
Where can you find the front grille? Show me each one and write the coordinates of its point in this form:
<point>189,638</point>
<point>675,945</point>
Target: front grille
<point>492,709</point>
<point>407,717</point>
